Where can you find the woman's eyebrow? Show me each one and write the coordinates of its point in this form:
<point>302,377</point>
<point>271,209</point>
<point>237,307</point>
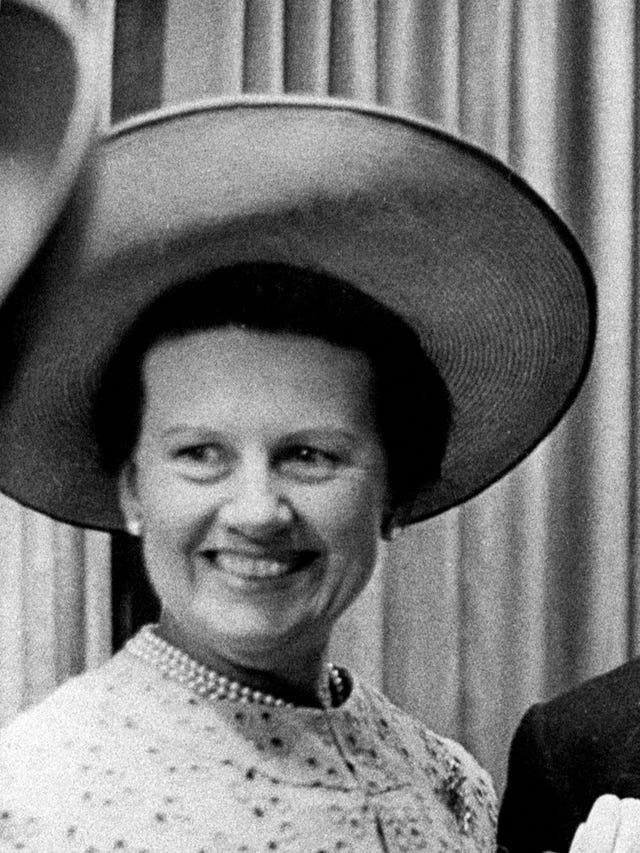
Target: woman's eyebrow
<point>190,430</point>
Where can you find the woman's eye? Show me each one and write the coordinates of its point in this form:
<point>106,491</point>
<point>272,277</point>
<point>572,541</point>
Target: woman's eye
<point>202,457</point>
<point>309,463</point>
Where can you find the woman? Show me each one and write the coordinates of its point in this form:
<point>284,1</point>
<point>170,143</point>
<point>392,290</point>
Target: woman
<point>269,334</point>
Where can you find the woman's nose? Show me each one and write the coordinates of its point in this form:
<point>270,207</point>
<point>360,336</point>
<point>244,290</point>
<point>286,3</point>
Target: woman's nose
<point>255,506</point>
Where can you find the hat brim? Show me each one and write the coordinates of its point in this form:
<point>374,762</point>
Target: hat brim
<point>431,226</point>
<point>47,110</point>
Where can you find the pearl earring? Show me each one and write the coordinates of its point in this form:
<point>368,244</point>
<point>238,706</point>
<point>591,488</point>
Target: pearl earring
<point>134,527</point>
<point>391,531</point>
<point>284,512</point>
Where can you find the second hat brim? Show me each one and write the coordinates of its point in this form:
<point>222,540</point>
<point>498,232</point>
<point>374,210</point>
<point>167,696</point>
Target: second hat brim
<point>48,106</point>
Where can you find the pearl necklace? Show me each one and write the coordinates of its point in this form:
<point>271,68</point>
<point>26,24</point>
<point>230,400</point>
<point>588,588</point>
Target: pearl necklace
<point>177,666</point>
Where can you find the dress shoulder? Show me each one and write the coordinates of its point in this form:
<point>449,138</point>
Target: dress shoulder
<point>457,779</point>
<point>63,708</point>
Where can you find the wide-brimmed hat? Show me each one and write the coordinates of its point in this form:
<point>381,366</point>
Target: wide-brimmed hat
<point>431,226</point>
<point>47,107</point>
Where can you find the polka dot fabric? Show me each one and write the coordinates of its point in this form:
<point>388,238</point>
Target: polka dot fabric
<point>123,759</point>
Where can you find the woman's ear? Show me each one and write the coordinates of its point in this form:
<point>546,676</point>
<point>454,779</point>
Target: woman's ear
<point>128,497</point>
<point>390,527</point>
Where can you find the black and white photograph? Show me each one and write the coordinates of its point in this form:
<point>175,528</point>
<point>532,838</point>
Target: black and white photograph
<point>319,426</point>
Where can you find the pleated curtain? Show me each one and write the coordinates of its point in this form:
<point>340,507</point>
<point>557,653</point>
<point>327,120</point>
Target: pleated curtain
<point>532,586</point>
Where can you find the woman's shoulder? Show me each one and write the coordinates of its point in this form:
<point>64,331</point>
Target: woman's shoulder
<point>457,779</point>
<point>72,698</point>
<point>405,725</point>
<point>74,710</point>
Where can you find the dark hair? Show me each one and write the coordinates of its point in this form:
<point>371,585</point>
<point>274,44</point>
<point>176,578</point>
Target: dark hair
<point>413,408</point>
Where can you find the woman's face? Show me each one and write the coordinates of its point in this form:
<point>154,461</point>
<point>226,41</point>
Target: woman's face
<point>260,481</point>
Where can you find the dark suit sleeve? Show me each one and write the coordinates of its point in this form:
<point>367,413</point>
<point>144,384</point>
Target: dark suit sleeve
<point>538,812</point>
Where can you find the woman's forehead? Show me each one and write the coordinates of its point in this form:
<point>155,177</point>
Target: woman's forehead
<point>227,372</point>
<point>232,350</point>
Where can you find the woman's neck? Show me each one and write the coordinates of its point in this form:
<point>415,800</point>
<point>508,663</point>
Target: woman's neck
<point>287,673</point>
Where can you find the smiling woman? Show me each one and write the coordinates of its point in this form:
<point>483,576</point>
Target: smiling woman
<point>259,540</point>
<point>263,363</point>
<point>267,460</point>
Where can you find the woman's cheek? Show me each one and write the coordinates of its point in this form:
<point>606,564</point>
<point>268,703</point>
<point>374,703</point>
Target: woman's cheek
<point>172,501</point>
<point>346,518</point>
<point>353,499</point>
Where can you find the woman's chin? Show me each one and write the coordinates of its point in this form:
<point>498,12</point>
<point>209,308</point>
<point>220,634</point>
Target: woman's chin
<point>256,629</point>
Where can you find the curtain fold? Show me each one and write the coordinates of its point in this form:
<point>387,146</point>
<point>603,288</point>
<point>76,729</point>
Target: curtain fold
<point>198,61</point>
<point>308,64</point>
<point>353,50</point>
<point>532,586</point>
<point>55,614</point>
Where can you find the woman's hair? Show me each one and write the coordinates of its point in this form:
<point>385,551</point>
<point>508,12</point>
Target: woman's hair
<point>412,403</point>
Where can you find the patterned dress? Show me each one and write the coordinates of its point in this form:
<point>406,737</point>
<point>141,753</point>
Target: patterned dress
<point>124,759</point>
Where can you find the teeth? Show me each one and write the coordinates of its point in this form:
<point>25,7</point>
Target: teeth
<point>253,567</point>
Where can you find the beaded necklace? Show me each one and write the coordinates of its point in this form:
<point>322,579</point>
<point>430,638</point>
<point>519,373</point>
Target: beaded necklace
<point>210,685</point>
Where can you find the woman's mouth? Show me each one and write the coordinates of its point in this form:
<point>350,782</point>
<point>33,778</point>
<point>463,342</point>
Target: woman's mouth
<point>259,567</point>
